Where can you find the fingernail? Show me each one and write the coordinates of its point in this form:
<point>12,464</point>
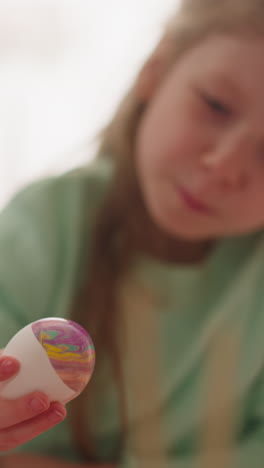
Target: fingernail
<point>37,404</point>
<point>56,415</point>
<point>7,366</point>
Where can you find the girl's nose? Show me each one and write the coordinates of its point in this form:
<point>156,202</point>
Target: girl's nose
<point>229,163</point>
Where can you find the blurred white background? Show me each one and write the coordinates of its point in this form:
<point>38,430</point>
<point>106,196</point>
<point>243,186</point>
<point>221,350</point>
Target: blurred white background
<point>64,65</point>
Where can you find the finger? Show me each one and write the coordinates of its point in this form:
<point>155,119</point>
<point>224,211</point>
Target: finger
<point>15,411</point>
<point>27,430</point>
<point>9,366</point>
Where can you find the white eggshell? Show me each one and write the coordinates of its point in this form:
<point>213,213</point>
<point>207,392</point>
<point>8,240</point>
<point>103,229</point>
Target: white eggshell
<point>36,372</point>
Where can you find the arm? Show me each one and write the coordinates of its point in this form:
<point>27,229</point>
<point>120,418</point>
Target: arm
<point>36,280</point>
<point>248,455</point>
<point>32,461</point>
<point>247,451</point>
<point>245,443</point>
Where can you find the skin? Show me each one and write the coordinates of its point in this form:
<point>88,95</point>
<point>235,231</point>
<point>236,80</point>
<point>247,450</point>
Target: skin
<point>203,133</point>
<point>20,421</point>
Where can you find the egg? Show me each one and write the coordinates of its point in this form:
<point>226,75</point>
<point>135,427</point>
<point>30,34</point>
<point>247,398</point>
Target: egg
<point>56,357</point>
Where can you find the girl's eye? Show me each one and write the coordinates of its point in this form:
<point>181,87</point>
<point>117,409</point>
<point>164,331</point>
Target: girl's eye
<point>216,105</point>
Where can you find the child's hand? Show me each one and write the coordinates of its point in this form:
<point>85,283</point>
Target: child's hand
<point>25,418</point>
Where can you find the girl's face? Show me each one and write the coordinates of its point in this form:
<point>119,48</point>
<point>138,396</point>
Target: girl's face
<point>200,143</point>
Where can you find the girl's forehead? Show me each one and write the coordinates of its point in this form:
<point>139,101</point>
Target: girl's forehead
<point>241,58</point>
<point>227,45</point>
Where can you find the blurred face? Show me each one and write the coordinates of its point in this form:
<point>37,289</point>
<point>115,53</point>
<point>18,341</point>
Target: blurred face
<point>200,144</point>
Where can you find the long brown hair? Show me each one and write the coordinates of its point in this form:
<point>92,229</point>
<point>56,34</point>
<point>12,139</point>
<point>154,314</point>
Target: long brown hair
<point>96,307</point>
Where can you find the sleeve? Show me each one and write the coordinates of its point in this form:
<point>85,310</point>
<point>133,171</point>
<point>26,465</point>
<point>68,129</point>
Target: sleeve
<point>39,244</point>
<point>247,452</point>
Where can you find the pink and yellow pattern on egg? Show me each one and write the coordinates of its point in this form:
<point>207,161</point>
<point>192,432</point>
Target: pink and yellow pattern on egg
<point>70,350</point>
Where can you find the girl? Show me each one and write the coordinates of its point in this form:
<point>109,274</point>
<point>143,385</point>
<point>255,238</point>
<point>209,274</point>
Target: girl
<point>157,249</point>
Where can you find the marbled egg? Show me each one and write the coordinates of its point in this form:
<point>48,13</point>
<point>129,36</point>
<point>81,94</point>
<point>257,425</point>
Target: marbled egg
<point>56,356</point>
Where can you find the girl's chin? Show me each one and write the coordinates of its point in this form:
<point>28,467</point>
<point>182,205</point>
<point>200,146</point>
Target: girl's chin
<point>181,229</point>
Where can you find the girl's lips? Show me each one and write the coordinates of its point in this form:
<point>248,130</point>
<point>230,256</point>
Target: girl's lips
<point>194,204</point>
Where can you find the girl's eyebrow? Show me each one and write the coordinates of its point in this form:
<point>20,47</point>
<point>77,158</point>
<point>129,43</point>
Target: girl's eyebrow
<point>224,82</point>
